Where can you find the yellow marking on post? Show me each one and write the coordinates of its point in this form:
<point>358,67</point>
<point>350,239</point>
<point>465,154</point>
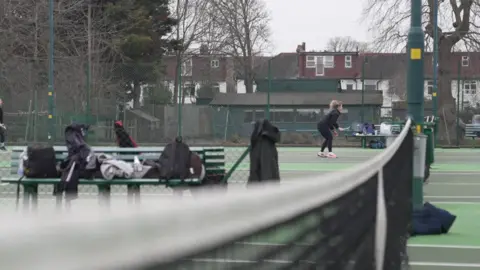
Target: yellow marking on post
<point>434,94</point>
<point>415,54</point>
<point>419,129</point>
<point>50,93</point>
<point>50,116</point>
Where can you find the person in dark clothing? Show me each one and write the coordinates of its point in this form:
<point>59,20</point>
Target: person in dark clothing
<point>3,128</point>
<point>263,153</point>
<point>123,138</point>
<point>328,127</point>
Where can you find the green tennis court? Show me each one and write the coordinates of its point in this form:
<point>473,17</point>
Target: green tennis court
<point>454,185</point>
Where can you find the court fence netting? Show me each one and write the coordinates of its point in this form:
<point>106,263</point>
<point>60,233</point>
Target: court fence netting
<point>354,219</point>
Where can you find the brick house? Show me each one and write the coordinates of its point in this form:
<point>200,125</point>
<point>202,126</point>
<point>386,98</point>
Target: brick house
<point>382,72</point>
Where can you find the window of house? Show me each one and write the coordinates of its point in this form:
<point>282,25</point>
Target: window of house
<point>350,86</point>
<point>319,69</point>
<point>465,61</point>
<point>306,115</point>
<point>282,115</point>
<point>311,61</point>
<point>329,61</point>
<point>189,90</point>
<point>187,67</point>
<point>370,85</point>
<point>429,87</point>
<point>214,63</point>
<point>248,117</point>
<point>259,115</point>
<point>348,61</point>
<point>470,87</point>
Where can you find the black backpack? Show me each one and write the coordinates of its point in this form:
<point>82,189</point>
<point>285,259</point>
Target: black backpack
<point>40,163</point>
<point>175,161</point>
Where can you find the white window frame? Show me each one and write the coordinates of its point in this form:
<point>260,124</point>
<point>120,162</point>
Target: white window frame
<point>214,63</point>
<point>319,66</point>
<point>370,83</point>
<point>348,61</point>
<point>189,86</point>
<point>187,67</point>
<point>429,87</point>
<point>328,61</point>
<point>311,61</point>
<point>465,61</point>
<point>468,90</point>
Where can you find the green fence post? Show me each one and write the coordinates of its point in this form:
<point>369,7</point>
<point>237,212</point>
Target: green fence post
<point>362,114</point>
<point>179,75</point>
<point>51,93</point>
<point>267,116</point>
<point>458,104</point>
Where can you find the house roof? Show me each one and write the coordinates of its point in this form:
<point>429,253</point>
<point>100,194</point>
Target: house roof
<point>284,66</point>
<point>297,99</point>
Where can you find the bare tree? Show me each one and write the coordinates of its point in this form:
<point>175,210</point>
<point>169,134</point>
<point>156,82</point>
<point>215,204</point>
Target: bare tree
<point>242,32</point>
<point>192,24</point>
<point>459,28</point>
<point>346,44</point>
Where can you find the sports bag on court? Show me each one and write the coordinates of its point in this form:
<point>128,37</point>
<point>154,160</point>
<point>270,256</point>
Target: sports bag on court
<point>40,162</point>
<point>175,160</point>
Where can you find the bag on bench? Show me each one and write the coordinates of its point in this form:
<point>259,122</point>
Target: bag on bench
<point>40,163</point>
<point>175,160</point>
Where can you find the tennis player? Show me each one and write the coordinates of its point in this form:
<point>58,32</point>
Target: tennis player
<point>328,127</point>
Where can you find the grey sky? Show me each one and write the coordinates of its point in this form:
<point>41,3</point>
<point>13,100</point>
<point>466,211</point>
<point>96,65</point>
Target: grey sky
<point>314,22</point>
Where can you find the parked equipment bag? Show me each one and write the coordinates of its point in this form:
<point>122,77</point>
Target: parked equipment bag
<point>175,160</point>
<point>40,162</point>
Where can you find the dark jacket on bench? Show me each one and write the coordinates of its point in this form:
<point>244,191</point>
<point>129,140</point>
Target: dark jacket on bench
<point>75,165</point>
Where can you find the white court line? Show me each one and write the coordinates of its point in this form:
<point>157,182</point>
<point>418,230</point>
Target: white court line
<point>453,197</point>
<point>440,264</point>
<point>267,244</point>
<point>443,246</point>
<point>447,202</point>
<point>455,172</point>
<point>453,184</point>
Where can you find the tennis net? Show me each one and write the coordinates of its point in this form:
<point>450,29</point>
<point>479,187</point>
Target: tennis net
<point>356,219</point>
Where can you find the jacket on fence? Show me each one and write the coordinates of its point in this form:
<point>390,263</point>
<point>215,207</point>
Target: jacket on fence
<point>263,153</point>
<point>80,158</point>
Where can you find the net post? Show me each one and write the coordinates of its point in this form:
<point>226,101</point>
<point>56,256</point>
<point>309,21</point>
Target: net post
<point>415,95</point>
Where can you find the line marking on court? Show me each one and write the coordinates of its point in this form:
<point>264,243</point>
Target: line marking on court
<point>443,246</point>
<point>440,264</point>
<point>447,202</point>
<point>453,184</point>
<point>456,172</point>
<point>453,197</point>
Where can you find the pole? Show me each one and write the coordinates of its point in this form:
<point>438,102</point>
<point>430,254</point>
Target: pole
<point>179,76</point>
<point>435,65</point>
<point>89,64</point>
<point>51,96</point>
<point>269,87</point>
<point>435,58</point>
<point>462,98</point>
<point>415,86</point>
<point>362,113</point>
<point>458,103</point>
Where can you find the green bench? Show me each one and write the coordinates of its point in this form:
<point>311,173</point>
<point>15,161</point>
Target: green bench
<point>213,160</point>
